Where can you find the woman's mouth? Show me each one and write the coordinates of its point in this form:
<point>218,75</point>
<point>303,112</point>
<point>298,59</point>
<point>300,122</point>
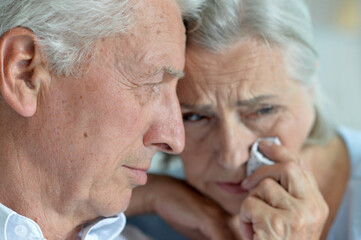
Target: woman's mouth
<point>232,187</point>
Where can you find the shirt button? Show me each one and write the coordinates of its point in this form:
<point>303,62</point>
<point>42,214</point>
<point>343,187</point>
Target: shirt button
<point>21,230</point>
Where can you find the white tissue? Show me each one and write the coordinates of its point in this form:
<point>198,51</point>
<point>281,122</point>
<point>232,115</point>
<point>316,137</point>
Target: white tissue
<point>257,159</point>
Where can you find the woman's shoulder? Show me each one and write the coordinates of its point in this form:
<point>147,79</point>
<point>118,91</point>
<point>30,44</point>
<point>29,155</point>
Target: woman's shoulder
<point>346,224</point>
<point>349,133</point>
<point>352,140</point>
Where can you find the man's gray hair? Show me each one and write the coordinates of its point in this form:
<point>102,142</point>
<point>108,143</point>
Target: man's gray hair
<point>283,24</point>
<point>68,29</point>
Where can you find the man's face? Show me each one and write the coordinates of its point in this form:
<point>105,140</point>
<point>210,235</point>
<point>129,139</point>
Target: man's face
<point>99,132</point>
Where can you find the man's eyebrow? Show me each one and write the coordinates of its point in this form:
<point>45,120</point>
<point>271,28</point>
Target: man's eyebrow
<point>174,73</point>
<point>254,100</point>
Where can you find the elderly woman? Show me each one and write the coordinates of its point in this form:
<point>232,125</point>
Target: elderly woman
<point>250,73</point>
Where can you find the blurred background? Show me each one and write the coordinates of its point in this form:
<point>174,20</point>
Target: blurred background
<point>337,25</point>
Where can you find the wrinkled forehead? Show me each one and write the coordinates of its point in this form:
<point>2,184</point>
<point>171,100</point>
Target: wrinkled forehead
<point>242,71</point>
<point>242,60</point>
<point>155,43</point>
<point>159,17</point>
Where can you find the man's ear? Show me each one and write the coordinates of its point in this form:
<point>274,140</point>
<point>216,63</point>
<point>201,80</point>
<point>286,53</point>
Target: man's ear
<point>21,70</point>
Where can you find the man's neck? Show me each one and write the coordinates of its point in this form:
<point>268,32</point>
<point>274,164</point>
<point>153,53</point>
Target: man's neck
<point>25,192</point>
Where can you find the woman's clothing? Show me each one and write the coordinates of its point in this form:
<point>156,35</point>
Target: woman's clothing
<point>347,225</point>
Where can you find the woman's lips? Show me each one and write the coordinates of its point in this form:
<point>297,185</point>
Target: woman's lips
<point>231,187</point>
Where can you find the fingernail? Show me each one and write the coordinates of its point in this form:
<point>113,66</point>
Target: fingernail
<point>245,183</point>
<point>265,144</point>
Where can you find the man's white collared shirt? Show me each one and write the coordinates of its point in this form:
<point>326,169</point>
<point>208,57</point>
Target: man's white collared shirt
<point>16,227</point>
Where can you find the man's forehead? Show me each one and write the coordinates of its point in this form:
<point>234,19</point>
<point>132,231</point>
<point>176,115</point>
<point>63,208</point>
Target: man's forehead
<point>150,49</point>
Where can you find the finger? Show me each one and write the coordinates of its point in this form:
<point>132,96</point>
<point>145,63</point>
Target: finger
<point>235,224</point>
<point>273,194</point>
<point>289,174</point>
<point>247,230</point>
<point>293,175</point>
<point>253,211</point>
<point>277,153</point>
<point>267,222</point>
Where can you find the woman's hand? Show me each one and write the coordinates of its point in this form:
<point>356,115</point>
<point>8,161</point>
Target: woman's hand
<point>284,200</point>
<point>182,207</point>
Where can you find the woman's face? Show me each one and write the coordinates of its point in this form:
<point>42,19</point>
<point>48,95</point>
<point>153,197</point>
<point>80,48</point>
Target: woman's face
<point>228,100</point>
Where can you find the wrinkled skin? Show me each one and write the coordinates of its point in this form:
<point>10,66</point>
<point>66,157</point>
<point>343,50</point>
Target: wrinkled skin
<point>228,100</point>
<point>86,141</point>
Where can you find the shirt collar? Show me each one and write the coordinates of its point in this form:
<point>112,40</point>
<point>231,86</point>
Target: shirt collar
<point>16,227</point>
<point>105,228</point>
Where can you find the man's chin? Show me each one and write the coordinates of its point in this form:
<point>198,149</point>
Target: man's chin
<point>114,204</point>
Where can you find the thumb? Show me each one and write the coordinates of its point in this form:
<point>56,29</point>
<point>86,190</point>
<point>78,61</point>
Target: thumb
<point>247,230</point>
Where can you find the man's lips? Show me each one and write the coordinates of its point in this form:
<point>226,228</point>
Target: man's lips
<point>137,174</point>
<point>232,187</point>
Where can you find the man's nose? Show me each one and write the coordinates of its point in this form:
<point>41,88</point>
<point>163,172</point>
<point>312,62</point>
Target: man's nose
<point>166,131</point>
<point>235,142</point>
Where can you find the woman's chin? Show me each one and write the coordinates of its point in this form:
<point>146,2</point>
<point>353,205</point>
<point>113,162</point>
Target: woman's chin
<point>232,210</point>
<point>232,207</point>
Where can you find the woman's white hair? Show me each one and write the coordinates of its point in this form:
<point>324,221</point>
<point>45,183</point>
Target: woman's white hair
<point>68,29</point>
<point>283,24</point>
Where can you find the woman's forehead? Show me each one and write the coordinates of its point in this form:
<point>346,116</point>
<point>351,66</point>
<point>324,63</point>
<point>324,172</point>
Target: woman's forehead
<point>246,62</point>
<point>235,75</point>
<point>226,95</point>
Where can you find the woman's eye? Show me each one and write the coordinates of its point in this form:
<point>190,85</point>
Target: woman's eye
<point>265,110</point>
<point>192,117</point>
<point>261,112</point>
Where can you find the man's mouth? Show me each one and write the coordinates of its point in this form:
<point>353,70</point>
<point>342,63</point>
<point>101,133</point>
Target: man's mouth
<point>138,175</point>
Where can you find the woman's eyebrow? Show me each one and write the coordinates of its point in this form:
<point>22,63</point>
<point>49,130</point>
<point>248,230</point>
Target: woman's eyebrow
<point>255,100</point>
<point>196,107</point>
<point>245,102</point>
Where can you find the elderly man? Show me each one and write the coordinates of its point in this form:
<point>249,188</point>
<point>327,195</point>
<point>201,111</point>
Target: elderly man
<point>88,96</point>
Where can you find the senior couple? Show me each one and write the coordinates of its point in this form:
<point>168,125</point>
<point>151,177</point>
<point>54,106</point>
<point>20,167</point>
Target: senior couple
<point>89,92</point>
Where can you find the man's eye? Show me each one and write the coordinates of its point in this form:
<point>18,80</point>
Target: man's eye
<point>192,117</point>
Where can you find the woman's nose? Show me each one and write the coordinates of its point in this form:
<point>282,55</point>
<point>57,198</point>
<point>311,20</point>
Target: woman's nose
<point>235,142</point>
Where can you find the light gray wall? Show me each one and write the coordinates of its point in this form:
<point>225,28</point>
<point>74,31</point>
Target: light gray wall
<point>338,34</point>
<point>340,75</point>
